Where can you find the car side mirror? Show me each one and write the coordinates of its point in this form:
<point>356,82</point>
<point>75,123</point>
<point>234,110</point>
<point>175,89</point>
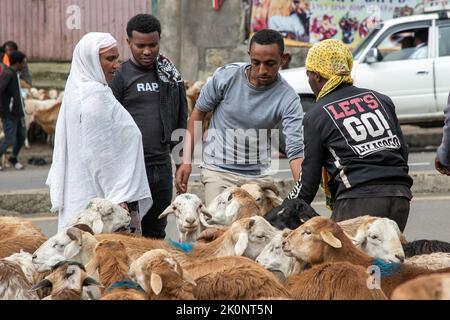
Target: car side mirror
<point>372,56</point>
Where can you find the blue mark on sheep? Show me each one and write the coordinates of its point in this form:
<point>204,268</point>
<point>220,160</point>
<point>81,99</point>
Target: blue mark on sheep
<point>183,246</point>
<point>386,268</point>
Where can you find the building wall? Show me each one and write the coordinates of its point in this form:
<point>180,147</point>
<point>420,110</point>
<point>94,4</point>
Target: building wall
<point>40,26</point>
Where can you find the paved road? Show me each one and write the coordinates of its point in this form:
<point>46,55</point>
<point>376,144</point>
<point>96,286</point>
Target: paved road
<point>34,177</point>
<point>429,219</point>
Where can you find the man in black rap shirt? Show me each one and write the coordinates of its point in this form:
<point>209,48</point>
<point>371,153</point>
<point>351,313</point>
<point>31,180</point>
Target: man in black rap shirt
<point>151,89</point>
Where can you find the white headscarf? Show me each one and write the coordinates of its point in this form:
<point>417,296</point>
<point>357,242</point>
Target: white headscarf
<point>98,146</point>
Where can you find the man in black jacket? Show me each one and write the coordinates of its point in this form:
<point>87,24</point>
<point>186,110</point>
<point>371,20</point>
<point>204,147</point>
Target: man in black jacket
<point>11,107</point>
<point>353,141</point>
<point>151,89</point>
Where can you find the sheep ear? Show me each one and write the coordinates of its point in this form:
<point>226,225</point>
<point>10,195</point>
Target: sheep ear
<point>203,221</point>
<point>189,279</point>
<point>329,238</point>
<point>156,283</point>
<point>170,209</point>
<point>75,234</point>
<point>232,209</point>
<point>72,249</point>
<point>92,266</point>
<point>43,284</point>
<point>241,244</point>
<point>97,227</point>
<point>359,238</point>
<point>90,282</point>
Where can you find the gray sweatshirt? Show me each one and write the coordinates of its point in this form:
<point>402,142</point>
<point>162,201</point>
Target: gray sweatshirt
<point>443,153</point>
<point>238,139</point>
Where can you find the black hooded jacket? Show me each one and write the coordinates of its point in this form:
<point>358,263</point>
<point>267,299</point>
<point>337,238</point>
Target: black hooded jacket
<point>355,134</point>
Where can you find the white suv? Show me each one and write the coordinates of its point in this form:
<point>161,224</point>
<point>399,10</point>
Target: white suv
<point>407,59</point>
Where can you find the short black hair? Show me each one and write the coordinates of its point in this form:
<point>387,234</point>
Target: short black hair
<point>16,57</point>
<point>10,44</point>
<point>422,34</point>
<point>143,23</point>
<point>268,36</point>
<point>2,53</point>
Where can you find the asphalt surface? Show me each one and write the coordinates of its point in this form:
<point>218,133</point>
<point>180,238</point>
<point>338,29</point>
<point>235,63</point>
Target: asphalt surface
<point>429,219</point>
<point>34,177</point>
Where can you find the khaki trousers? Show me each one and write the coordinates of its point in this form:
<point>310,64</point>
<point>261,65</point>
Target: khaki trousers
<point>215,182</point>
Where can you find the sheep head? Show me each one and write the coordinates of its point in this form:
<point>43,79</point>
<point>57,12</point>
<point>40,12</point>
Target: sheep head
<point>266,195</point>
<point>380,237</point>
<point>66,275</point>
<point>228,206</point>
<point>190,214</point>
<point>272,257</point>
<point>67,244</point>
<point>156,269</point>
<point>251,235</point>
<point>103,216</point>
<point>291,214</point>
<point>310,241</point>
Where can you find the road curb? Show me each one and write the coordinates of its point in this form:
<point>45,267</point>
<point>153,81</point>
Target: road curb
<point>30,202</point>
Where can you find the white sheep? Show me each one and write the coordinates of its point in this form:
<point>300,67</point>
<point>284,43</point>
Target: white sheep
<point>103,216</point>
<point>190,216</point>
<point>232,204</point>
<point>432,261</point>
<point>378,237</point>
<point>68,244</point>
<point>14,285</point>
<point>272,258</point>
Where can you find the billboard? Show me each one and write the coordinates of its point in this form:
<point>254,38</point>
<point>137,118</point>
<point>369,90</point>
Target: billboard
<point>304,22</point>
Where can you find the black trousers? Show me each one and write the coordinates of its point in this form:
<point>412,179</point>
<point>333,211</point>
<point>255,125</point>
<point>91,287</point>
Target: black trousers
<point>394,208</point>
<point>160,181</point>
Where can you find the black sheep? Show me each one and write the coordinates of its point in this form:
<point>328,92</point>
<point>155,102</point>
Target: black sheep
<point>419,247</point>
<point>291,214</point>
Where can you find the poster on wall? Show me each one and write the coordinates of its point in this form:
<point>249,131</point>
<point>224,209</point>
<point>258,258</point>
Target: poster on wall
<point>304,22</point>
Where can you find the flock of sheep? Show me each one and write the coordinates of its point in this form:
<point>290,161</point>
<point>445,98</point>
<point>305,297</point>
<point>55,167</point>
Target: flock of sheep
<point>247,244</point>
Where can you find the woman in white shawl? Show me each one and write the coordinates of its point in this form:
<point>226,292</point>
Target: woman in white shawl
<point>98,147</point>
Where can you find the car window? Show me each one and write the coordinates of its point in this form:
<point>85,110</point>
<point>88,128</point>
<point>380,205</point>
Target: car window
<point>404,45</point>
<point>444,41</point>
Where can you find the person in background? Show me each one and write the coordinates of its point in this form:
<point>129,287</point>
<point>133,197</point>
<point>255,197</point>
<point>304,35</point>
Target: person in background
<point>152,91</point>
<point>11,108</point>
<point>442,162</point>
<point>98,147</point>
<point>9,47</point>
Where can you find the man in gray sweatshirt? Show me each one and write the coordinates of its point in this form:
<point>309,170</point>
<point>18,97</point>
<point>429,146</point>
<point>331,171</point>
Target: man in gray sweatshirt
<point>247,101</point>
<point>442,162</point>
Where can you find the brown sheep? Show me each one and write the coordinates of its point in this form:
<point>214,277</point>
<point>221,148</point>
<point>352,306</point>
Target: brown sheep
<point>18,234</point>
<point>245,237</point>
<point>333,281</point>
<point>322,240</point>
<point>430,287</point>
<point>215,278</point>
<point>67,280</point>
<point>112,262</point>
<point>241,282</point>
<point>162,277</point>
<point>266,195</point>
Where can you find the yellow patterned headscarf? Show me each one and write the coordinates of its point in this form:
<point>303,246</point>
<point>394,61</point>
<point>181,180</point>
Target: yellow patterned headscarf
<point>333,61</point>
